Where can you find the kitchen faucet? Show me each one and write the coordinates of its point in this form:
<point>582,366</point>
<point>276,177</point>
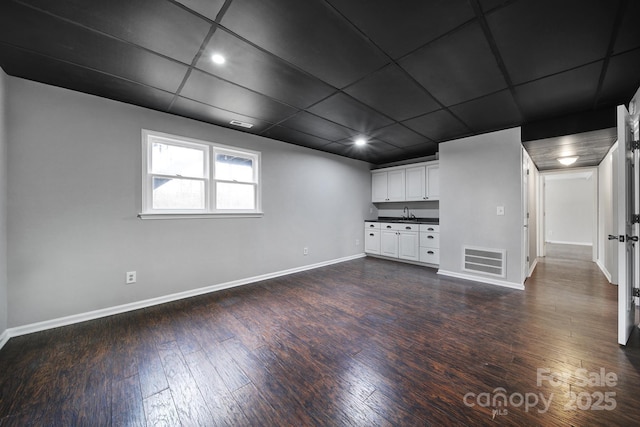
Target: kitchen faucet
<point>405,210</point>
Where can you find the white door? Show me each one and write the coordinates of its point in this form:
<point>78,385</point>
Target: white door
<point>627,228</point>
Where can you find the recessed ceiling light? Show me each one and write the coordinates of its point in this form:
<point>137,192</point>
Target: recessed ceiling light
<point>241,124</point>
<point>568,160</point>
<point>360,141</point>
<point>218,59</point>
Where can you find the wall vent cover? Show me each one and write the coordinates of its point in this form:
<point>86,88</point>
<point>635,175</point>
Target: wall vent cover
<point>485,261</point>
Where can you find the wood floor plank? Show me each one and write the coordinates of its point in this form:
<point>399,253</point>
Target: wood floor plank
<point>365,342</point>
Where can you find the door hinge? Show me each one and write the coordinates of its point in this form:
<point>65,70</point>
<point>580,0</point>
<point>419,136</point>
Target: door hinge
<point>634,145</point>
<point>636,292</point>
<point>635,219</point>
<point>527,259</point>
<point>527,171</point>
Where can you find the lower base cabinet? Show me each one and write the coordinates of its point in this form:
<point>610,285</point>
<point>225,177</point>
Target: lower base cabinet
<point>393,240</point>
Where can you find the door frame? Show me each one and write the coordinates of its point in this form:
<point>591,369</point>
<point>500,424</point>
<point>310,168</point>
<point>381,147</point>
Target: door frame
<point>541,217</point>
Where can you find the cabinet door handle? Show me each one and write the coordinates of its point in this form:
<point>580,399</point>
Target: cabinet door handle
<point>371,234</point>
<point>430,229</point>
<point>408,228</point>
<point>388,226</point>
<point>430,252</point>
<point>429,237</point>
<point>371,225</point>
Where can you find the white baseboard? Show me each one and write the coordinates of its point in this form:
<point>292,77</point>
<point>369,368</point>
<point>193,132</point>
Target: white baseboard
<point>96,314</point>
<point>604,270</point>
<point>560,242</point>
<point>481,279</point>
<point>533,267</point>
<point>4,337</point>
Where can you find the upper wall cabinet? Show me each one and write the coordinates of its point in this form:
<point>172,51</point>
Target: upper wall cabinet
<point>388,186</point>
<point>410,183</point>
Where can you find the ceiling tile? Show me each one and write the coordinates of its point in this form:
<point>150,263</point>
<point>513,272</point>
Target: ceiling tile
<point>85,48</point>
<point>492,112</point>
<point>345,110</point>
<point>308,123</point>
<point>160,26</point>
<point>488,5</point>
<point>208,8</point>
<point>559,94</point>
<point>629,31</point>
<point>257,70</point>
<point>400,27</point>
<point>27,65</point>
<point>394,93</point>
<point>438,126</point>
<point>206,113</point>
<point>414,152</point>
<point>543,37</point>
<point>622,79</point>
<point>282,133</point>
<point>399,136</point>
<point>308,34</point>
<point>213,91</point>
<point>466,67</point>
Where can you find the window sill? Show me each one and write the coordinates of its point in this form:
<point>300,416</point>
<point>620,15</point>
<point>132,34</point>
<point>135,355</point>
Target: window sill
<point>200,215</point>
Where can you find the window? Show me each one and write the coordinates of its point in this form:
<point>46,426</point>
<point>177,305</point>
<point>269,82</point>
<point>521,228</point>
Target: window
<point>186,177</point>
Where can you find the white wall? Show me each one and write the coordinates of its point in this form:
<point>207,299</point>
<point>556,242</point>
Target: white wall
<point>607,218</point>
<point>477,174</point>
<point>570,209</point>
<point>74,193</point>
<point>3,205</point>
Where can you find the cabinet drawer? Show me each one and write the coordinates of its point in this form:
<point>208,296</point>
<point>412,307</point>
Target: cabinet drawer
<point>430,240</point>
<point>430,255</point>
<point>371,225</point>
<point>399,226</point>
<point>430,228</point>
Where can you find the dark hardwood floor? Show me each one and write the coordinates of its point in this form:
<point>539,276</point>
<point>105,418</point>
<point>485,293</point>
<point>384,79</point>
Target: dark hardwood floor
<point>367,342</point>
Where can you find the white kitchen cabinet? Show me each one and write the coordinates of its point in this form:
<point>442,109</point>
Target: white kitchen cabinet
<point>388,186</point>
<point>433,182</point>
<point>417,182</point>
<point>422,183</point>
<point>400,241</point>
<point>408,245</point>
<point>415,186</point>
<point>430,244</point>
<point>372,238</point>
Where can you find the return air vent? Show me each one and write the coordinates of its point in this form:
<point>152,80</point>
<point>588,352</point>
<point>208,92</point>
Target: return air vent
<point>485,261</point>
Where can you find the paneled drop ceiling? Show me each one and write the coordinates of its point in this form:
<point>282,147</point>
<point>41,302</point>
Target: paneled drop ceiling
<point>406,75</point>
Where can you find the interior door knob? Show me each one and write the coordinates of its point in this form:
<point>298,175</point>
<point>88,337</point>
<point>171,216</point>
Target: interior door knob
<point>612,237</point>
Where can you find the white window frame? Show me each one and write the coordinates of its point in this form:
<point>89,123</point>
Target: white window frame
<point>210,150</point>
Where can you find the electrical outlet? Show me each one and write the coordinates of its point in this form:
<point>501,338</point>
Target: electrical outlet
<point>131,277</point>
<point>357,242</point>
<point>500,210</point>
<point>305,251</point>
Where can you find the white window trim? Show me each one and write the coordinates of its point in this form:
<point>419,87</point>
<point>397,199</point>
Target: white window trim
<point>210,149</point>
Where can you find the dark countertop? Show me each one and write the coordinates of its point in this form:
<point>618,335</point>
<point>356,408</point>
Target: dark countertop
<point>405,221</point>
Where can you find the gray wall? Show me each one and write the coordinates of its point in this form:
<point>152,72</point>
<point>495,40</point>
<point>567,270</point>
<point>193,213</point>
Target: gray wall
<point>477,174</point>
<point>74,193</point>
<point>569,210</point>
<point>3,203</point>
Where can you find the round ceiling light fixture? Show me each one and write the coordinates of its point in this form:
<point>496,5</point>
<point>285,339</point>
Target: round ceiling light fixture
<point>218,59</point>
<point>360,142</point>
<point>567,161</point>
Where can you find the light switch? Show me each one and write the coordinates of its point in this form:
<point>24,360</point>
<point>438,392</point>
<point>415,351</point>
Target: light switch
<point>500,210</point>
